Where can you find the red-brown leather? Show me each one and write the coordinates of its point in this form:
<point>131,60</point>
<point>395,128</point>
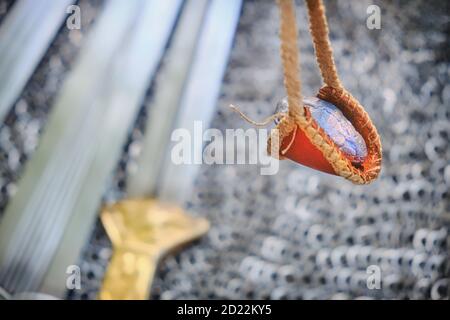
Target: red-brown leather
<point>304,152</point>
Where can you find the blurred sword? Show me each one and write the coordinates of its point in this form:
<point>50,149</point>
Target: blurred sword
<point>25,36</point>
<point>144,230</point>
<point>48,221</point>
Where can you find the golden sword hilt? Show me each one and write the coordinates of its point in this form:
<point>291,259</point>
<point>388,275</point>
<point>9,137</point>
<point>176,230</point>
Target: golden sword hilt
<point>142,232</point>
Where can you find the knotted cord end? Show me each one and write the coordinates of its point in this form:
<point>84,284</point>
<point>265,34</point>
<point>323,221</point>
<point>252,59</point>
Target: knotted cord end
<point>263,123</point>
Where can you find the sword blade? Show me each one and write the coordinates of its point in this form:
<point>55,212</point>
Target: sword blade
<point>48,221</point>
<point>25,35</point>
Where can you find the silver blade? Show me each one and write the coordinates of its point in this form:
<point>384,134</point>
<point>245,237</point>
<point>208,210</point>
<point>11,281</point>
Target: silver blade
<point>201,92</point>
<point>48,221</point>
<point>172,80</point>
<point>25,35</point>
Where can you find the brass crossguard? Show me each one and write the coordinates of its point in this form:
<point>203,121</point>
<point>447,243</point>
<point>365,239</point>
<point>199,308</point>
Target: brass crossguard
<point>142,232</point>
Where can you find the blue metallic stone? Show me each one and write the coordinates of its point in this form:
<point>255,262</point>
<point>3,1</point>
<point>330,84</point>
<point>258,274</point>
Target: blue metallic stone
<point>335,125</point>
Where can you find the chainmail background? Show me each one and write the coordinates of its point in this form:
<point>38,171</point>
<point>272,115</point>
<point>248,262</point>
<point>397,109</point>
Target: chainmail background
<point>299,234</point>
